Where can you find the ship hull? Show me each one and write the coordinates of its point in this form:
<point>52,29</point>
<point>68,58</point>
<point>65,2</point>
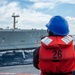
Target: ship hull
<point>20,39</point>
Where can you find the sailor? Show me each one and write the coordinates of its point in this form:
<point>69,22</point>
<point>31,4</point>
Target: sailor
<point>56,55</point>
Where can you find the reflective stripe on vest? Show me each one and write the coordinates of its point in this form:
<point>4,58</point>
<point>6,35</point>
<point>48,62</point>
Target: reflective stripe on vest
<point>67,39</point>
<point>46,40</point>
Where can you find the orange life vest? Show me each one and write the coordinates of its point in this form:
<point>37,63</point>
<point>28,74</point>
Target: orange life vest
<point>57,54</point>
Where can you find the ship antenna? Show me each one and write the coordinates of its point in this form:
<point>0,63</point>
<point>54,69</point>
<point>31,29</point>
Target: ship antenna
<point>14,19</point>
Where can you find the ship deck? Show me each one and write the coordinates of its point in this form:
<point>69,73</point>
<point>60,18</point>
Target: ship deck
<point>19,70</point>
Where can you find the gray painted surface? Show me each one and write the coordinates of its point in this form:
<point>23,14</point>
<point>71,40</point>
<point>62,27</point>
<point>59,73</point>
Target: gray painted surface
<point>17,39</point>
<point>21,39</point>
<point>20,69</point>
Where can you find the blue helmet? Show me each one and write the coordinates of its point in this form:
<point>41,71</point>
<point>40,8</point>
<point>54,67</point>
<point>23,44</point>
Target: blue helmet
<point>58,25</point>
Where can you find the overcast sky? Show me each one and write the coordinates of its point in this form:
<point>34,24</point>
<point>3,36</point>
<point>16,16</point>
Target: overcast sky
<point>36,13</point>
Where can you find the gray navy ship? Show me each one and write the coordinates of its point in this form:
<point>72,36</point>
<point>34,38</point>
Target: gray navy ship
<point>20,39</point>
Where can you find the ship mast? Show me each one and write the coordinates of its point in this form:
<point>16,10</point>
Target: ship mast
<point>14,20</point>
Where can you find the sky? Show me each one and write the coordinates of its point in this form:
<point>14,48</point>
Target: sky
<point>35,14</point>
